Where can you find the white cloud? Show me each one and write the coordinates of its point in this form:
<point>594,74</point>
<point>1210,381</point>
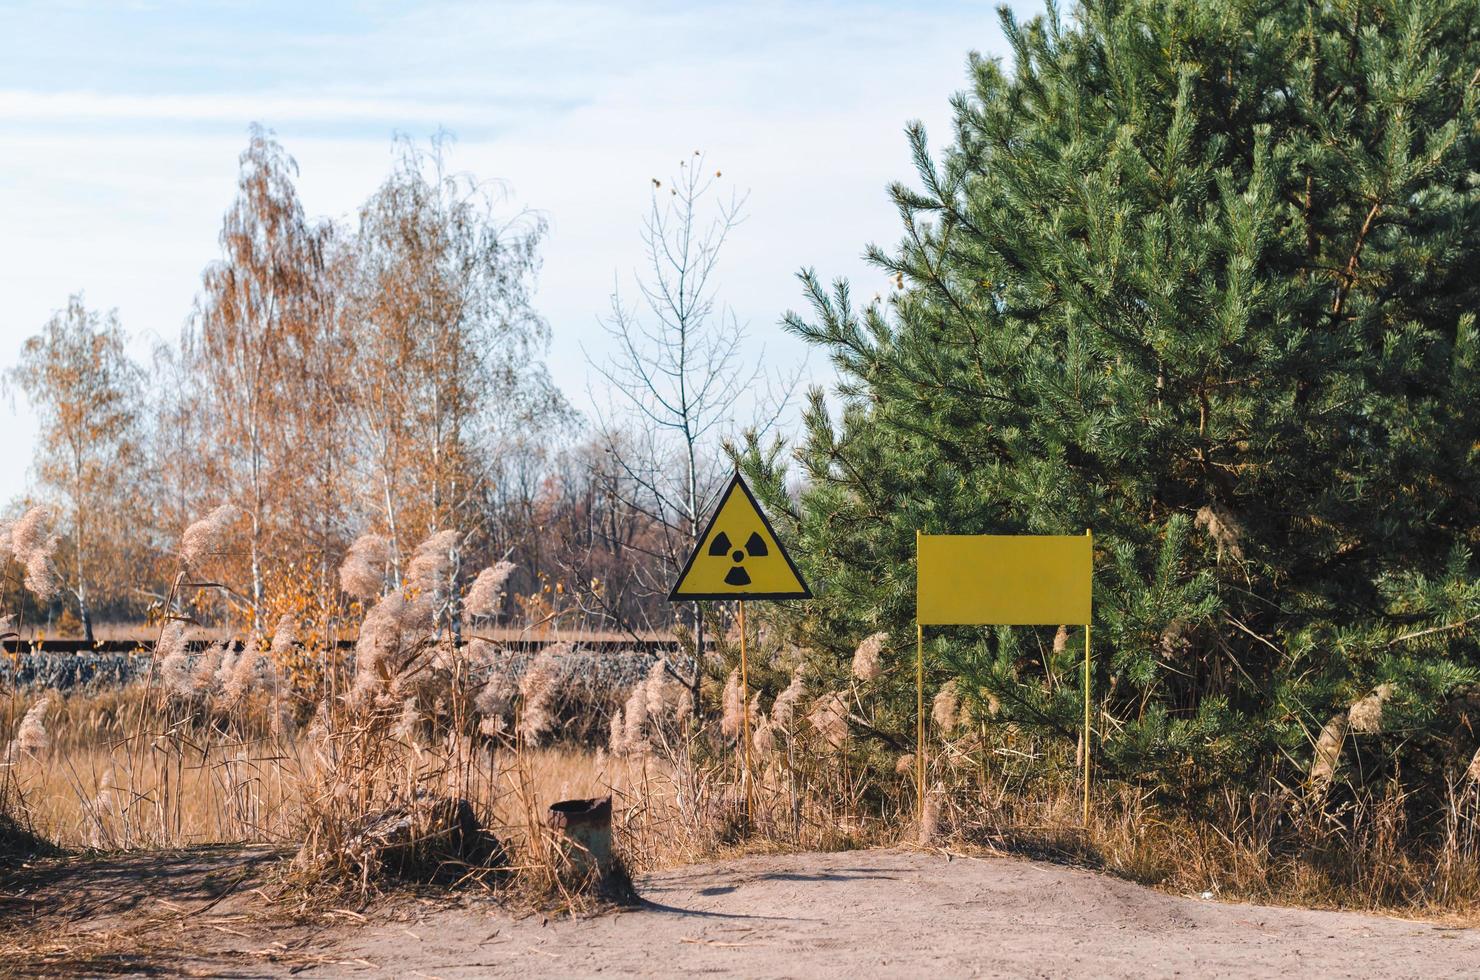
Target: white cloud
<point>119,189</point>
<point>62,108</point>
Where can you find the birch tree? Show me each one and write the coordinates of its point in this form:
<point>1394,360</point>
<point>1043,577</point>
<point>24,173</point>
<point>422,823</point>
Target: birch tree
<point>85,390</point>
<point>266,289</point>
<point>448,348</point>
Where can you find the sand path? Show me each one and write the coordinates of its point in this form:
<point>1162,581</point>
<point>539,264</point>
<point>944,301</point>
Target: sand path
<point>898,913</point>
<point>855,914</point>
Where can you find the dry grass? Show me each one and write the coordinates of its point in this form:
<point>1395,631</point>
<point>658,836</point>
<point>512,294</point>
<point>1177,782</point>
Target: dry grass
<point>194,779</point>
<point>1275,846</point>
<point>188,776</point>
<point>95,788</point>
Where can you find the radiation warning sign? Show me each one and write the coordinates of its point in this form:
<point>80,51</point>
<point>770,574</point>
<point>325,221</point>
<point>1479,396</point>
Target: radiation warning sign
<point>738,556</point>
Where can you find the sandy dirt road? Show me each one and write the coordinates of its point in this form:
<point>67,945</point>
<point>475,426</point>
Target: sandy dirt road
<point>857,914</point>
<point>900,914</point>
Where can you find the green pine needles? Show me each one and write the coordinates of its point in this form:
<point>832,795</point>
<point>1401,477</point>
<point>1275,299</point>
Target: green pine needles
<point>1200,275</point>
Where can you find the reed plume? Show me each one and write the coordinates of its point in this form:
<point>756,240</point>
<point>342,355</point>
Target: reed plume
<point>243,677</point>
<point>408,721</point>
<point>732,706</point>
<point>496,695</point>
<point>617,733</point>
<point>431,563</point>
<point>486,595</point>
<point>31,736</point>
<point>362,573</point>
<point>828,717</point>
<point>1366,714</point>
<point>33,546</point>
<point>1327,755</point>
<point>783,711</point>
<point>207,669</point>
<point>945,708</point>
<point>389,628</point>
<point>497,692</point>
<point>1225,530</point>
<point>173,653</point>
<point>635,718</point>
<point>280,653</point>
<point>207,537</point>
<point>764,739</point>
<point>866,658</point>
<point>538,690</point>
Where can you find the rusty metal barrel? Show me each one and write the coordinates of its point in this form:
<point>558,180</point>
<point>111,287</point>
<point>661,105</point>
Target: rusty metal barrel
<point>583,832</point>
<point>586,824</point>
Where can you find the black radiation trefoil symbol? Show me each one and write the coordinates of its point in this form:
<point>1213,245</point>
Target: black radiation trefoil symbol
<point>724,565</point>
<point>755,547</point>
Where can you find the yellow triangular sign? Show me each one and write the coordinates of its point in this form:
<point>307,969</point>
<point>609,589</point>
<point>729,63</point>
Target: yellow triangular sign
<point>738,556</point>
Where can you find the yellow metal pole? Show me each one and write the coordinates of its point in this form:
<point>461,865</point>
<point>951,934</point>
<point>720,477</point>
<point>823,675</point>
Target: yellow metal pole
<point>1086,708</point>
<point>1086,726</point>
<point>745,718</point>
<point>919,701</point>
<point>920,718</point>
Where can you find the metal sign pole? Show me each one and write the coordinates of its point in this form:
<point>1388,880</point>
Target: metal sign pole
<point>920,719</point>
<point>745,720</point>
<point>1086,708</point>
<point>919,705</point>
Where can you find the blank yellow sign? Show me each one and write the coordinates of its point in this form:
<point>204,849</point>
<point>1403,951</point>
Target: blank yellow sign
<point>1003,580</point>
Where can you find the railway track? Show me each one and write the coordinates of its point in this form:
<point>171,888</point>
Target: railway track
<point>70,662</point>
<point>510,639</point>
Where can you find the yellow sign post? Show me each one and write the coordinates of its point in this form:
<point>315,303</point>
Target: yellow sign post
<point>738,556</point>
<point>1001,580</point>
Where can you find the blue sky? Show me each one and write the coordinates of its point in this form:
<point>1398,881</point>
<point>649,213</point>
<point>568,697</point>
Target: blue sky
<point>120,125</point>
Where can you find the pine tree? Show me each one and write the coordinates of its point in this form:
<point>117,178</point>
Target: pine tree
<point>1199,275</point>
